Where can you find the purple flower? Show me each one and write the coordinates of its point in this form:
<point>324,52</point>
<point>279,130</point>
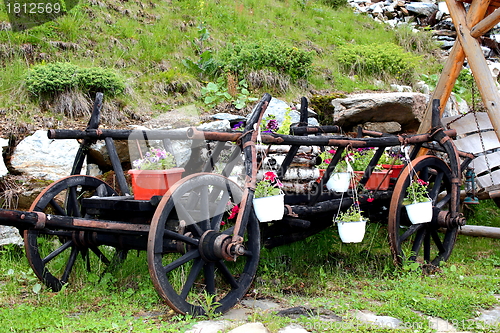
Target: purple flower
<point>272,125</point>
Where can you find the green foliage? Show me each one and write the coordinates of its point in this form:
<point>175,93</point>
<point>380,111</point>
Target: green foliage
<point>378,60</point>
<point>215,93</point>
<point>335,3</point>
<point>241,57</point>
<point>352,214</point>
<point>416,192</point>
<point>322,104</point>
<point>464,85</point>
<point>63,76</point>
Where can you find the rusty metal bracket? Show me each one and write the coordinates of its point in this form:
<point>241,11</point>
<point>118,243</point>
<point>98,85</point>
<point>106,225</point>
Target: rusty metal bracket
<point>41,219</point>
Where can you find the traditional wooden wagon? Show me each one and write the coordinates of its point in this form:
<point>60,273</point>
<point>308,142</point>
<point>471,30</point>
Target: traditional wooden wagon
<point>192,245</point>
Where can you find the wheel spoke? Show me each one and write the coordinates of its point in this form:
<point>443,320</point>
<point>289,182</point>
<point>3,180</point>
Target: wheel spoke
<point>219,212</point>
<point>427,247</point>
<point>56,252</point>
<point>205,209</point>
<point>186,216</point>
<point>227,275</point>
<point>73,206</point>
<point>193,254</point>
<point>59,210</point>
<point>69,264</point>
<point>100,255</point>
<point>193,274</point>
<point>437,241</point>
<point>436,187</point>
<point>410,231</point>
<point>209,271</point>
<point>417,243</point>
<point>169,234</point>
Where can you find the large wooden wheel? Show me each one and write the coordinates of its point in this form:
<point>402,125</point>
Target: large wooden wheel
<point>188,246</point>
<point>432,242</point>
<point>53,254</point>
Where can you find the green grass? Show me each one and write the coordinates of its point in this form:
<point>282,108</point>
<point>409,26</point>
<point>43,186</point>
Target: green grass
<point>320,273</point>
<point>140,40</point>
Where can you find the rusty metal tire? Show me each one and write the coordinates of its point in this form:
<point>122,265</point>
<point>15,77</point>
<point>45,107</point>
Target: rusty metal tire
<point>188,246</point>
<point>427,243</point>
<point>52,254</point>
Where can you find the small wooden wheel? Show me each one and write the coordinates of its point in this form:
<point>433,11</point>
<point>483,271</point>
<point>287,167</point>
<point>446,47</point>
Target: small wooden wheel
<point>188,246</point>
<point>52,254</point>
<point>432,242</point>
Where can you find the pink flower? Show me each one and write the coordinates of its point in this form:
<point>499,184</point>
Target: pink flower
<point>234,212</point>
<point>332,151</point>
<point>370,199</point>
<point>222,223</point>
<point>328,160</point>
<point>271,176</point>
<point>279,183</point>
<point>422,182</point>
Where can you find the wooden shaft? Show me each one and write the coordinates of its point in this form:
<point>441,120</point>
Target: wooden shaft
<point>486,24</point>
<point>480,231</point>
<point>478,65</point>
<point>452,67</point>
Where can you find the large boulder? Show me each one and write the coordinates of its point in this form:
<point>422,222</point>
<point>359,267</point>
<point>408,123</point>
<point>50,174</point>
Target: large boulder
<point>406,108</point>
<point>38,156</point>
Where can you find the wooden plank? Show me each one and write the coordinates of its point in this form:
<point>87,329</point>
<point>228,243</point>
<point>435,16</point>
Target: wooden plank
<point>479,163</point>
<point>472,143</point>
<point>485,181</point>
<point>467,124</point>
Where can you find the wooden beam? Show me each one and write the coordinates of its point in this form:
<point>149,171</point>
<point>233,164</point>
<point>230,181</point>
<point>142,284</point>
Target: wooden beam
<point>453,66</point>
<point>486,24</point>
<point>480,231</point>
<point>477,62</point>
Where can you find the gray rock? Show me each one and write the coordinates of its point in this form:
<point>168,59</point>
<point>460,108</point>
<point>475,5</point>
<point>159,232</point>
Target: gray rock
<point>219,125</point>
<point>98,153</point>
<point>490,317</point>
<point>384,127</point>
<point>3,168</point>
<point>420,8</point>
<point>250,328</point>
<point>10,235</point>
<point>208,326</point>
<point>261,304</point>
<point>293,328</point>
<point>405,108</point>
<point>227,116</point>
<point>382,321</point>
<point>40,157</point>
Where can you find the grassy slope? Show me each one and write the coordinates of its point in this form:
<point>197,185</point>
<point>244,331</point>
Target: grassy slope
<point>147,41</point>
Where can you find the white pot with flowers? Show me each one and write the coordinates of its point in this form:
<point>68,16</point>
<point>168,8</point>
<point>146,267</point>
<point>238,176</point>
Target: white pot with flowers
<point>417,202</point>
<point>340,179</point>
<point>154,173</point>
<point>351,225</point>
<point>269,200</point>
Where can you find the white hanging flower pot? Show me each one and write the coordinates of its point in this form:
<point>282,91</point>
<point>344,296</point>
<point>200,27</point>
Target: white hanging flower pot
<point>351,232</point>
<point>339,182</point>
<point>269,208</point>
<point>420,212</point>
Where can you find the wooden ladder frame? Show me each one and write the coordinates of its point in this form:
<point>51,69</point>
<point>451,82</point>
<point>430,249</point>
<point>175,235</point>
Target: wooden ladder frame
<point>481,16</point>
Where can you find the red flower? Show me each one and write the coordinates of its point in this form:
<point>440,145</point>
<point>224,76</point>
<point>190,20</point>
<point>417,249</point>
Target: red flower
<point>234,212</point>
<point>271,176</point>
<point>370,199</point>
<point>332,151</point>
<point>328,160</point>
<point>422,182</point>
<point>222,223</point>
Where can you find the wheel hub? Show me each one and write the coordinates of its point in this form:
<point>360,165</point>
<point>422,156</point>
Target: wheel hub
<point>216,245</point>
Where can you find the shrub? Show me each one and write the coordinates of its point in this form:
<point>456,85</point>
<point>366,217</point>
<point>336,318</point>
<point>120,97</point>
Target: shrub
<point>53,78</point>
<point>378,60</point>
<point>242,57</point>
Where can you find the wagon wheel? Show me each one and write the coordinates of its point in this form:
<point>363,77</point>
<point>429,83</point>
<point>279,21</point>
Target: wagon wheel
<point>52,254</point>
<point>189,234</point>
<point>423,242</point>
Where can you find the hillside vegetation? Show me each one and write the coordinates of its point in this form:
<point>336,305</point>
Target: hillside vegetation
<point>150,57</point>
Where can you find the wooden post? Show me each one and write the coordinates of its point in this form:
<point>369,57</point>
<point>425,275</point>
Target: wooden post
<point>453,66</point>
<point>477,62</point>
